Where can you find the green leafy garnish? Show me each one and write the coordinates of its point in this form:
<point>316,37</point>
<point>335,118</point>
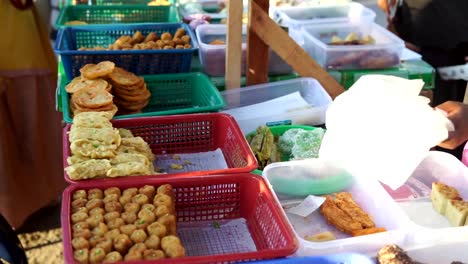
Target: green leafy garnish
<point>216,225</point>
<point>95,145</point>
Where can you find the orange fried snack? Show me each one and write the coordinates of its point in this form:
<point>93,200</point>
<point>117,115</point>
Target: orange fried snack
<point>338,217</point>
<point>345,202</point>
<point>368,231</point>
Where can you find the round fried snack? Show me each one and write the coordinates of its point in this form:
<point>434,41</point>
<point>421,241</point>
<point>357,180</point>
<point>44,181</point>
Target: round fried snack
<point>133,106</point>
<point>79,83</point>
<point>121,77</point>
<point>94,71</point>
<point>143,96</point>
<point>76,107</point>
<point>92,98</point>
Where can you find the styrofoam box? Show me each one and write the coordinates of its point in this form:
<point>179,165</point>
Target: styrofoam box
<point>369,195</point>
<point>213,57</point>
<point>295,17</point>
<point>384,53</point>
<point>310,90</point>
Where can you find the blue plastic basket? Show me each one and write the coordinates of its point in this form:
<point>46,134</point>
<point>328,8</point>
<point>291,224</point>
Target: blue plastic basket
<point>140,62</point>
<point>348,258</point>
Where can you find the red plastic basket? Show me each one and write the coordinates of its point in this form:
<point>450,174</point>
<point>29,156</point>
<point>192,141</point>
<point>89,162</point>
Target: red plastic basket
<point>211,198</point>
<point>191,133</point>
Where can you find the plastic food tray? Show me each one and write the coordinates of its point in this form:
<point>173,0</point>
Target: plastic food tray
<point>370,196</point>
<point>295,17</point>
<point>236,197</point>
<point>171,94</point>
<point>310,89</point>
<point>384,53</point>
<point>140,62</point>
<point>213,57</point>
<point>189,133</point>
<point>120,14</point>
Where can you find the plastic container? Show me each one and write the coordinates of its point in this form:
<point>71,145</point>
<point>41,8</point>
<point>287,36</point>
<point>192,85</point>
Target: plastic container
<point>368,194</point>
<point>110,2</point>
<point>171,94</point>
<point>213,57</point>
<point>189,133</point>
<point>348,258</point>
<point>140,62</point>
<point>278,131</point>
<point>317,100</point>
<point>295,17</point>
<point>440,253</point>
<point>120,14</point>
<point>384,53</point>
<point>241,198</point>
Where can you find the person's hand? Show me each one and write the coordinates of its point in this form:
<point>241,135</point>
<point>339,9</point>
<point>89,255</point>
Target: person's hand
<point>457,113</point>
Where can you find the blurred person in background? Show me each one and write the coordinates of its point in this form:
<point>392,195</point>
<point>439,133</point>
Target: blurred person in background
<point>438,30</point>
<point>31,174</point>
<point>457,113</point>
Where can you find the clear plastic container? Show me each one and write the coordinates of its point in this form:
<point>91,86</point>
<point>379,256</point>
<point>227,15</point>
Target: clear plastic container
<point>294,18</point>
<point>213,57</point>
<point>384,53</point>
<point>368,194</point>
<point>242,104</point>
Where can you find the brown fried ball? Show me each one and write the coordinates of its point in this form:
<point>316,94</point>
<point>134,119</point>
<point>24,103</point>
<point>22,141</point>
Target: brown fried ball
<point>153,242</point>
<point>127,229</point>
<point>84,233</point>
<point>122,243</point>
<point>153,254</point>
<point>148,190</point>
<point>94,220</point>
<point>138,247</point>
<point>96,255</point>
<point>134,255</point>
<point>95,194</point>
<point>79,194</point>
<point>79,203</point>
<point>140,199</point>
<point>170,222</point>
<point>80,225</point>
<point>100,230</point>
<point>111,216</point>
<point>78,217</point>
<point>116,223</point>
<point>94,240</point>
<point>157,229</point>
<point>175,251</point>
<point>105,244</point>
<point>162,210</point>
<point>97,211</point>
<point>125,199</point>
<point>81,256</point>
<point>81,209</point>
<point>94,203</point>
<point>147,215</point>
<point>111,234</point>
<point>149,207</point>
<point>151,37</point>
<point>138,236</point>
<point>129,217</point>
<point>130,191</point>
<point>112,257</point>
<point>111,198</point>
<point>141,224</point>
<point>80,243</point>
<point>132,207</point>
<point>165,189</point>
<point>186,39</point>
<point>179,33</point>
<point>113,206</point>
<point>162,199</point>
<point>112,190</point>
<point>166,36</point>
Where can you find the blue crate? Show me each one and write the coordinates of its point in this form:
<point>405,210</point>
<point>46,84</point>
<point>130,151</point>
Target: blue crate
<point>343,258</point>
<point>140,62</point>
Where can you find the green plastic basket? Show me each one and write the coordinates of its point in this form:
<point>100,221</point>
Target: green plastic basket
<point>120,14</point>
<point>279,131</point>
<point>171,94</point>
<point>109,2</point>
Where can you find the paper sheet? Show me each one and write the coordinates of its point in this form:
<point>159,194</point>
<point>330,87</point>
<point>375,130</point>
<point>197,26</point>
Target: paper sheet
<point>288,103</point>
<point>210,160</point>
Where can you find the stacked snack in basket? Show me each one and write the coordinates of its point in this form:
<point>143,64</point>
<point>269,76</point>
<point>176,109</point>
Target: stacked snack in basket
<point>91,92</point>
<point>99,150</point>
<point>131,224</point>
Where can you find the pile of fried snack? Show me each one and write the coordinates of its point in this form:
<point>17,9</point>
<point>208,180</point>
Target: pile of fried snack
<point>447,201</point>
<point>131,224</point>
<point>103,87</point>
<point>99,150</point>
<point>346,215</point>
<point>152,41</point>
